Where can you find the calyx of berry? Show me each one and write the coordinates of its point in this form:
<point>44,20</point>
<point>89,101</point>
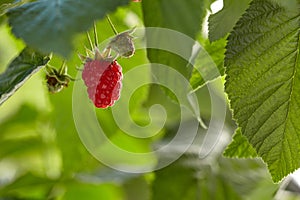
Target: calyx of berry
<point>57,79</point>
<point>122,44</point>
<point>97,55</point>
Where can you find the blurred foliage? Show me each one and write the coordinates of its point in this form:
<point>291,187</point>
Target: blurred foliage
<point>210,67</point>
<point>42,156</point>
<point>161,14</point>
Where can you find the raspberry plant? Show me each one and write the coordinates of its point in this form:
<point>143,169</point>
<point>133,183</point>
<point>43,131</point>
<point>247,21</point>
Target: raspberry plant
<point>255,47</point>
<point>57,79</point>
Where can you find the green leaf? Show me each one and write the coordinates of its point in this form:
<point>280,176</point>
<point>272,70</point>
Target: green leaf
<point>207,61</point>
<point>244,177</point>
<point>26,115</point>
<point>3,7</point>
<point>187,20</point>
<point>191,178</point>
<point>75,156</point>
<point>172,46</point>
<point>68,141</point>
<point>78,191</point>
<point>263,82</point>
<point>222,22</point>
<point>28,186</point>
<point>175,182</point>
<point>214,186</point>
<point>50,25</point>
<point>240,147</point>
<point>137,189</point>
<point>19,70</point>
<point>7,4</point>
<point>266,189</point>
<point>20,147</point>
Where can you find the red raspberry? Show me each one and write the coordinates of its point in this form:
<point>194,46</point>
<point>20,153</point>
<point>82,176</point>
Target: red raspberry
<point>103,81</point>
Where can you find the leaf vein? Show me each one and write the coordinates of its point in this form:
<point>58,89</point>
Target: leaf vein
<point>290,96</point>
<point>272,112</point>
<point>256,41</point>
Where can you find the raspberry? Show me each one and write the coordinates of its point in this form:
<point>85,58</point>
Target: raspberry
<point>103,80</point>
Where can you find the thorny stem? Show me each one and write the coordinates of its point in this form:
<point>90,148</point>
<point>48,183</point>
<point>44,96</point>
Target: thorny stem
<point>112,25</point>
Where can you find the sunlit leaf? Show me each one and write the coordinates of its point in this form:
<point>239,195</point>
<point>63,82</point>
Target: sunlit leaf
<point>26,115</point>
<point>240,147</point>
<point>78,191</point>
<point>28,186</point>
<point>20,147</point>
<point>263,83</point>
<point>187,20</point>
<point>222,22</point>
<point>172,46</point>
<point>209,62</point>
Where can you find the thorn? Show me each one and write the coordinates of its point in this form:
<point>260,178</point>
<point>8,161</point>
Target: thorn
<point>112,25</point>
<point>132,30</point>
<point>89,52</point>
<point>106,52</point>
<point>50,69</point>
<point>63,69</point>
<point>95,35</point>
<point>82,57</point>
<point>71,78</point>
<point>90,40</point>
<point>98,55</point>
<point>116,56</point>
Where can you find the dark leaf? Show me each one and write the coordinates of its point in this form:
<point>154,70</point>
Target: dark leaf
<point>50,25</point>
<point>19,70</point>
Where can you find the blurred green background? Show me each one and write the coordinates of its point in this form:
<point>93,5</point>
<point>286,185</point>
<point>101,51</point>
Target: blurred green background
<point>42,157</point>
